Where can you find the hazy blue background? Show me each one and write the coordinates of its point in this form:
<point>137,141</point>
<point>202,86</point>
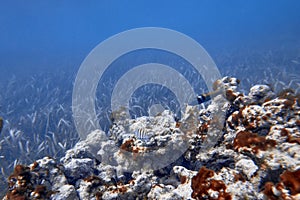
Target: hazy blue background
<point>43,43</point>
<point>41,35</point>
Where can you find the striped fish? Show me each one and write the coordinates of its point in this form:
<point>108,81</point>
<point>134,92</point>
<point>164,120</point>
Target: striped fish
<point>142,134</point>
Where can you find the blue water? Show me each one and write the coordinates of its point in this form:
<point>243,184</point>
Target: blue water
<point>43,35</point>
<point>43,43</point>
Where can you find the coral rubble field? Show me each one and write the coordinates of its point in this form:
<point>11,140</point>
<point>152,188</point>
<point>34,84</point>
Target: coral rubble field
<point>242,146</point>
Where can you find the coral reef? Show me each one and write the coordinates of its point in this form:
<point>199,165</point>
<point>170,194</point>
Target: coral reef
<point>239,147</point>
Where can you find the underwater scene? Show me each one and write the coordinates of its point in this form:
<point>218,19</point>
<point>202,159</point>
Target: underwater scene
<point>150,100</point>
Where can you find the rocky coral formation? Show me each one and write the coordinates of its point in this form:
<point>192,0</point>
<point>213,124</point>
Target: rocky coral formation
<point>240,147</point>
<point>40,180</point>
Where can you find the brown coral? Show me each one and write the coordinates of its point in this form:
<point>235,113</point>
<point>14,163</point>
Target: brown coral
<point>183,179</point>
<point>290,138</point>
<point>22,187</point>
<point>291,180</point>
<point>203,128</point>
<point>40,191</point>
<point>253,141</point>
<point>239,177</point>
<point>268,191</point>
<point>201,184</point>
<point>128,145</point>
<point>94,180</point>
<point>230,95</point>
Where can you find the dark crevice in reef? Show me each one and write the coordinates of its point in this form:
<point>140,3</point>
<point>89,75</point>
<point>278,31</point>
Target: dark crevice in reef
<point>226,161</point>
<point>271,176</point>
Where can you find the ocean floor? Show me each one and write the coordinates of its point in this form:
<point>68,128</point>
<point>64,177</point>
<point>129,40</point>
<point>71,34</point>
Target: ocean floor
<point>241,146</point>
